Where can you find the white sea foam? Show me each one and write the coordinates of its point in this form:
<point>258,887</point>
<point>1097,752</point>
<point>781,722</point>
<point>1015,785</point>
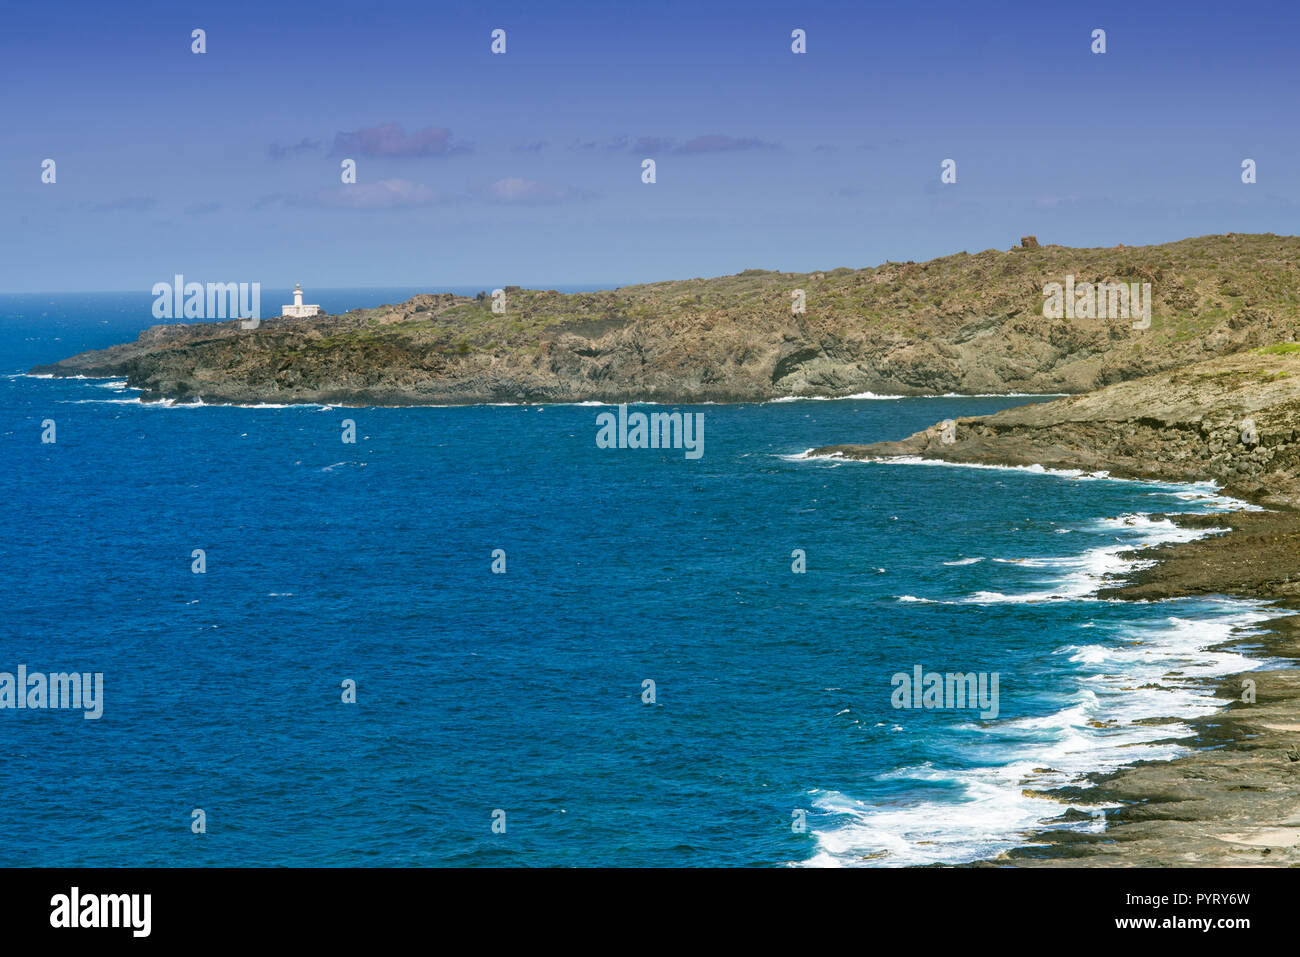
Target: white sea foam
<point>194,404</point>
<point>1150,669</point>
<point>945,395</point>
<point>1154,675</point>
<point>98,401</point>
<point>1078,577</point>
<point>1206,492</point>
<point>136,400</point>
<point>833,398</point>
<point>808,456</point>
<point>584,404</point>
<point>999,395</point>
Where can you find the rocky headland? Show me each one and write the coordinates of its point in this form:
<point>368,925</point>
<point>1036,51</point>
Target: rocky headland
<point>963,323</point>
<point>1234,420</point>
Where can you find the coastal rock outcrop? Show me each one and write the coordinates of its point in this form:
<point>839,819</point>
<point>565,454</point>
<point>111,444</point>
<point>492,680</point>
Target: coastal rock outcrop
<point>963,323</point>
<point>1234,420</point>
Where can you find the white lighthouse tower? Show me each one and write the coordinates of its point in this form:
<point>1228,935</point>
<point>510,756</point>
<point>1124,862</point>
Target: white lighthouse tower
<point>298,310</point>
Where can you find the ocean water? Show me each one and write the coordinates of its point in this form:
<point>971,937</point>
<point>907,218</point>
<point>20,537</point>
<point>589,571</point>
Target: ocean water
<point>772,738</point>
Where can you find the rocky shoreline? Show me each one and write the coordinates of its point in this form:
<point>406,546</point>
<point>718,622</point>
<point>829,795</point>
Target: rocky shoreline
<point>1209,389</point>
<point>966,323</point>
<point>1233,800</point>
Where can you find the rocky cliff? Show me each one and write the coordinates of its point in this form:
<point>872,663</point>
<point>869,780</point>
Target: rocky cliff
<point>963,323</point>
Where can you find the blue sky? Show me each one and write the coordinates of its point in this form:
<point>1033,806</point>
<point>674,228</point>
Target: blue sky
<point>525,168</point>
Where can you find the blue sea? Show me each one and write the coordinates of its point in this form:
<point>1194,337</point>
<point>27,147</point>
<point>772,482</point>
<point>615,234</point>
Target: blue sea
<point>649,682</point>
